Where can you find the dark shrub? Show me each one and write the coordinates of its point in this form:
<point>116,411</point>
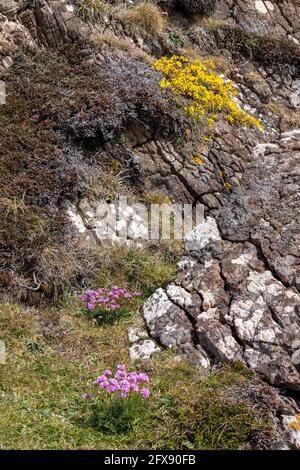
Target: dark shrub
<point>265,49</point>
<point>65,112</point>
<point>199,7</point>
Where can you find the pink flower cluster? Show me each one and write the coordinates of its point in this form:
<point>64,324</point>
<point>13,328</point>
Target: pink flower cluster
<point>109,299</point>
<point>123,382</point>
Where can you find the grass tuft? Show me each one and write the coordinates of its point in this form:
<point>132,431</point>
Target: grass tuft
<point>91,11</point>
<point>145,19</point>
<point>116,43</point>
<point>137,269</point>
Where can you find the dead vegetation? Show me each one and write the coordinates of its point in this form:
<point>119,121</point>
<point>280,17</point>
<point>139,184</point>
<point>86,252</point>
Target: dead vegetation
<point>212,22</point>
<point>113,43</point>
<point>146,20</point>
<point>254,77</point>
<point>287,116</point>
<point>91,11</point>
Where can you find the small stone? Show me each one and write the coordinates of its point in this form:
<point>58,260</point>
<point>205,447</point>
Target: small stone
<point>143,350</point>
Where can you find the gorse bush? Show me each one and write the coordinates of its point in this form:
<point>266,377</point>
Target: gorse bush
<point>206,94</point>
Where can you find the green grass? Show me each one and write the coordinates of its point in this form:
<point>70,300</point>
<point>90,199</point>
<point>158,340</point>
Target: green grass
<point>105,317</point>
<point>42,389</point>
<point>90,11</point>
<point>136,269</point>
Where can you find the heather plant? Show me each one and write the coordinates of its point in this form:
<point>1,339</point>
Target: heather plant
<point>119,401</point>
<point>206,95</point>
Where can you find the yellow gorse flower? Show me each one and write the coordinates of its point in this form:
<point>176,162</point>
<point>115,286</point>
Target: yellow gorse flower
<point>207,94</point>
<point>197,160</point>
<point>296,424</point>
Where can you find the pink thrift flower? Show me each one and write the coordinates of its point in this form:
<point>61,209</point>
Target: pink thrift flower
<point>104,384</point>
<point>143,377</point>
<point>122,382</point>
<point>101,378</point>
<point>134,387</point>
<point>145,393</point>
<point>121,374</point>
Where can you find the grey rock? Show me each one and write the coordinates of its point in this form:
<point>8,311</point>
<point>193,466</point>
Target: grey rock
<point>205,232</point>
<point>142,347</point>
<point>169,324</point>
<point>226,302</point>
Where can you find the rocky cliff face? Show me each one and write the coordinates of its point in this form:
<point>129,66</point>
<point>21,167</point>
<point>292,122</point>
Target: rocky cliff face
<point>34,23</point>
<point>236,296</point>
<point>238,290</point>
